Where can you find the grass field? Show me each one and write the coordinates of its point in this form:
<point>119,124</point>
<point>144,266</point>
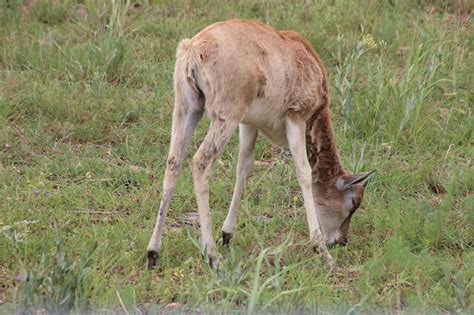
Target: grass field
<point>85,106</point>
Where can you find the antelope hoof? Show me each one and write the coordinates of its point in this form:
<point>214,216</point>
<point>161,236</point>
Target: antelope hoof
<point>152,259</point>
<point>226,237</point>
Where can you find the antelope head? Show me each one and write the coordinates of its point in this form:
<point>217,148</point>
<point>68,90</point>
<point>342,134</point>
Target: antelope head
<point>337,202</point>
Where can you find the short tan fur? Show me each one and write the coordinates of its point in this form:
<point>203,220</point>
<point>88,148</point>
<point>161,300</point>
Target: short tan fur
<point>246,74</point>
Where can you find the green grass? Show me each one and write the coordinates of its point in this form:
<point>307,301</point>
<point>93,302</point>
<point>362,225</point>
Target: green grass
<point>85,106</point>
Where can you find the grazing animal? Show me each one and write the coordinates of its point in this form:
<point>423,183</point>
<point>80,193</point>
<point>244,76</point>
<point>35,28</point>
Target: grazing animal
<point>246,74</point>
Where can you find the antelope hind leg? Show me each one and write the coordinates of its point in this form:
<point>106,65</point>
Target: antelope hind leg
<point>184,123</point>
<point>218,135</point>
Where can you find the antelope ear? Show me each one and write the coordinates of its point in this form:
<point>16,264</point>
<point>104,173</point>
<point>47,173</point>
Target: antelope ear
<point>345,182</point>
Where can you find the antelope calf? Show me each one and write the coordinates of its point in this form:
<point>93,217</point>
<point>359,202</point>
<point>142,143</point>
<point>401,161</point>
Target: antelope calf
<point>244,73</point>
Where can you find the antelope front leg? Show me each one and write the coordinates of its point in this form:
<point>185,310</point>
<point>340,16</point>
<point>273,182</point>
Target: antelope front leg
<point>247,138</point>
<point>295,132</point>
<point>219,133</point>
<point>184,123</point>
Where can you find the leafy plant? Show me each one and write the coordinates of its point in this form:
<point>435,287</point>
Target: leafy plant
<point>58,283</point>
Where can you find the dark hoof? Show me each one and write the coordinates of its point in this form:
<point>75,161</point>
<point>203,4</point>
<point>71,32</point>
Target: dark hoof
<point>226,238</point>
<point>152,259</point>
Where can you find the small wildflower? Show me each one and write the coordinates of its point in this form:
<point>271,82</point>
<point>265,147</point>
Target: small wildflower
<point>19,277</point>
<point>369,41</point>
